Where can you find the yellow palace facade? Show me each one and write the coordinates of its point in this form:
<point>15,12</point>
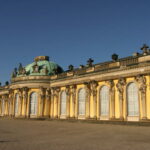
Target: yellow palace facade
<point>113,90</point>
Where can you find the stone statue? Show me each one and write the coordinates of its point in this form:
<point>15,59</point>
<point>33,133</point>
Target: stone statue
<point>120,85</point>
<point>35,68</point>
<point>20,68</point>
<point>142,83</point>
<point>14,73</point>
<point>45,70</point>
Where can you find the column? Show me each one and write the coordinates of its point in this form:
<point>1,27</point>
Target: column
<point>88,94</point>
<point>47,103</point>
<point>27,108</point>
<point>20,104</point>
<point>68,101</point>
<point>93,87</point>
<point>6,105</point>
<point>120,86</point>
<point>112,98</point>
<point>25,100</point>
<point>56,99</point>
<point>52,103</point>
<point>42,99</point>
<point>142,88</point>
<point>73,98</point>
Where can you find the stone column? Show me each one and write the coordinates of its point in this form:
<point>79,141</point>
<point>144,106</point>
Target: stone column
<point>42,101</point>
<point>20,104</point>
<point>120,86</point>
<point>112,98</point>
<point>47,103</point>
<point>28,105</point>
<point>11,98</point>
<point>68,101</point>
<point>88,94</point>
<point>52,103</point>
<point>73,95</point>
<point>25,100</point>
<point>142,88</point>
<point>6,105</point>
<point>55,98</point>
<point>93,87</point>
<point>3,101</point>
<point>9,105</point>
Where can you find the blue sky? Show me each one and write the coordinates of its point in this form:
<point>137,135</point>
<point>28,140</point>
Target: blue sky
<point>70,31</point>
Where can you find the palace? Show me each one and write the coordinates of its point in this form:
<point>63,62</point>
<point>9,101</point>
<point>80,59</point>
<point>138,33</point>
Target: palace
<point>115,90</point>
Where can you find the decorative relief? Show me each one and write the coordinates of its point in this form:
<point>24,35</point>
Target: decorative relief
<point>42,93</point>
<point>48,93</point>
<point>67,90</point>
<point>25,93</point>
<point>93,87</point>
<point>73,92</point>
<point>120,86</point>
<point>111,85</point>
<point>87,88</point>
<point>142,83</point>
<point>55,91</point>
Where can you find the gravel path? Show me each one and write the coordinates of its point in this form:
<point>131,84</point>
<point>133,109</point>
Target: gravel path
<point>62,135</point>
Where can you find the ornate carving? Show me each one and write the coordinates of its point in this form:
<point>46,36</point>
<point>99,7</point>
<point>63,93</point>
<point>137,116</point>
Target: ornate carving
<point>25,93</point>
<point>90,62</point>
<point>73,92</point>
<point>45,70</point>
<point>42,93</point>
<point>111,84</point>
<point>21,70</point>
<point>87,88</point>
<point>67,90</point>
<point>142,83</point>
<point>145,49</point>
<point>14,73</point>
<point>35,68</point>
<point>55,91</point>
<point>48,93</point>
<point>120,85</point>
<point>93,87</point>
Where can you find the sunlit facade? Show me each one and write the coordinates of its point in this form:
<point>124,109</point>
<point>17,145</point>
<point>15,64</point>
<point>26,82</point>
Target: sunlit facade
<point>113,90</point>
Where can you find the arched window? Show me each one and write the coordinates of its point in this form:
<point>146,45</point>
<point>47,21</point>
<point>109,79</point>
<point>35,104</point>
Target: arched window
<point>81,100</point>
<point>104,101</point>
<point>63,103</point>
<point>16,104</point>
<point>132,100</point>
<point>33,103</point>
<point>2,107</point>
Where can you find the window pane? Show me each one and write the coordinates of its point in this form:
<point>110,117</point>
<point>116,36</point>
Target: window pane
<point>104,101</point>
<point>63,103</point>
<point>33,104</point>
<point>81,98</point>
<point>132,96</point>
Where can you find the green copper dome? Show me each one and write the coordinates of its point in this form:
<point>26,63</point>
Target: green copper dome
<point>40,66</point>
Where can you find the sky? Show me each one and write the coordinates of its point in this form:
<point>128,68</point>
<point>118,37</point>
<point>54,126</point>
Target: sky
<point>70,31</point>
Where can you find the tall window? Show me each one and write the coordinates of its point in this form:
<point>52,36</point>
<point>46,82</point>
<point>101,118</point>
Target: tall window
<point>16,104</point>
<point>33,103</point>
<point>132,100</point>
<point>104,101</point>
<point>81,100</point>
<point>63,103</point>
